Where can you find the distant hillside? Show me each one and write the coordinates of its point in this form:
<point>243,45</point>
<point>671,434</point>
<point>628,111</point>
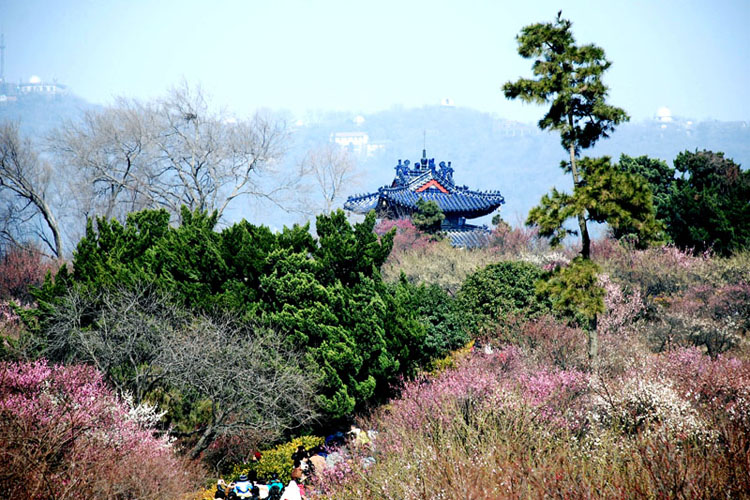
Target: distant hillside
<point>489,152</point>
<point>40,113</point>
<point>486,151</point>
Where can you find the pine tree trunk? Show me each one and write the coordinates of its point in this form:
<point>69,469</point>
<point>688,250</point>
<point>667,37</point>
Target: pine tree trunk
<point>585,238</point>
<point>593,335</point>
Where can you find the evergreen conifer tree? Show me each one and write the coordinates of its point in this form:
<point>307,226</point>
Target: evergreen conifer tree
<point>428,217</point>
<point>568,77</point>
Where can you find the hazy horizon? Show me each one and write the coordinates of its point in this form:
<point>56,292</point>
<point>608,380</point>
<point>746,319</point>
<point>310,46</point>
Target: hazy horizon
<point>307,56</point>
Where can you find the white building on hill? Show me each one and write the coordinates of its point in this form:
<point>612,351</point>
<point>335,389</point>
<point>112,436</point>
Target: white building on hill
<point>35,86</point>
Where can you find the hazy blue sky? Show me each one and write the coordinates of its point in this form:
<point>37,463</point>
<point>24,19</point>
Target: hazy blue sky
<point>302,55</point>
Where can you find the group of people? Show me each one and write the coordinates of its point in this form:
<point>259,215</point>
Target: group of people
<point>305,464</point>
<point>249,487</point>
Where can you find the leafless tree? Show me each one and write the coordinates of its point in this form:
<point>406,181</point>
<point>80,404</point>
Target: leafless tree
<point>26,186</point>
<point>106,154</point>
<point>208,160</point>
<point>332,169</point>
<point>140,340</point>
<point>172,152</point>
<point>120,331</point>
<point>254,382</point>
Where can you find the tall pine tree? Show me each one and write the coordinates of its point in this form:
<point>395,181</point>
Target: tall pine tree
<point>568,77</point>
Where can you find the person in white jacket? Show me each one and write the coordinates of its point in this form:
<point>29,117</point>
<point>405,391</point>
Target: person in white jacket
<point>291,492</point>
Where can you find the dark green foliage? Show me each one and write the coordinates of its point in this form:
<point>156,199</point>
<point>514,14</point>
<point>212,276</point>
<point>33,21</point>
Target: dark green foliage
<point>447,324</point>
<point>503,289</point>
<point>706,206</point>
<point>569,78</point>
<point>47,297</point>
<point>550,216</point>
<point>244,250</point>
<point>621,199</point>
<point>604,194</point>
<point>326,295</point>
<point>428,216</point>
<point>345,253</point>
<point>657,173</point>
<point>573,290</point>
<point>576,295</point>
<point>185,261</point>
<point>709,203</point>
<point>345,329</point>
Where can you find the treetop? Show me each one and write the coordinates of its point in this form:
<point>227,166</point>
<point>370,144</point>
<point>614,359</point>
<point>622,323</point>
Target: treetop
<point>568,77</point>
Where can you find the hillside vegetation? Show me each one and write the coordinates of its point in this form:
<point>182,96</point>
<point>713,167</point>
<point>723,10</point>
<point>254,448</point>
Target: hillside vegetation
<point>668,405</point>
<point>153,340</point>
<point>519,413</point>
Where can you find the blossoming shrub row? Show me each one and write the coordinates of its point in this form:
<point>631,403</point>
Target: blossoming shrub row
<point>20,269</point>
<point>501,425</point>
<point>719,387</point>
<point>528,421</point>
<point>675,298</point>
<point>657,272</point>
<point>64,434</point>
<point>11,328</point>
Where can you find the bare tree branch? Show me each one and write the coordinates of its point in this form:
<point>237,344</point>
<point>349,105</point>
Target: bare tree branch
<point>332,168</point>
<point>254,381</point>
<point>168,153</point>
<point>121,332</point>
<point>25,184</point>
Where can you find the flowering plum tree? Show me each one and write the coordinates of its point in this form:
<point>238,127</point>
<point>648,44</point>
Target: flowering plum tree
<point>65,434</point>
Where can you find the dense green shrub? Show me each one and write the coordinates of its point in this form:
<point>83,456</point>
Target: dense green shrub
<point>657,173</point>
<point>709,204</point>
<point>325,294</point>
<point>574,292</point>
<point>428,216</point>
<point>503,289</point>
<point>448,325</point>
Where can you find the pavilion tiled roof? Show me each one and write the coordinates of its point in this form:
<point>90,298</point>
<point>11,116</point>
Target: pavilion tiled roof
<point>362,203</point>
<point>458,201</point>
<point>430,183</point>
<point>469,237</point>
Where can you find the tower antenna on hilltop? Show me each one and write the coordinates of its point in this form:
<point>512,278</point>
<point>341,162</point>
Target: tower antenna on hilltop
<point>424,143</point>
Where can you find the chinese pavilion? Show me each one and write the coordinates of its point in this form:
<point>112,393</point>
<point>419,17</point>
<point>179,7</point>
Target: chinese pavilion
<point>426,181</point>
